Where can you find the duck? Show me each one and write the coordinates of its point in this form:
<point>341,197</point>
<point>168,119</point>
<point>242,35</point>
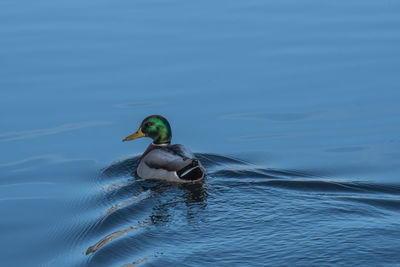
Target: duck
<point>161,160</point>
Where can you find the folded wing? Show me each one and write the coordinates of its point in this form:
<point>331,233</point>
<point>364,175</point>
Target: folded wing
<point>171,158</point>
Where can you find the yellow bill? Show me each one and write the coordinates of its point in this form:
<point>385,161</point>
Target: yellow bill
<point>135,135</point>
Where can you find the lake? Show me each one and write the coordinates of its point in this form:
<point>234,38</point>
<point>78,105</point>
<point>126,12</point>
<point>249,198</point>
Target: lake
<point>291,106</point>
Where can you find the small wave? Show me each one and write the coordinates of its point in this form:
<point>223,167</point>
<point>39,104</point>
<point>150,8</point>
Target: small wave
<point>29,134</point>
<point>111,237</point>
<point>212,160</point>
<point>331,186</point>
<point>144,195</point>
<point>257,172</point>
<point>122,167</point>
<point>385,203</point>
<point>139,261</point>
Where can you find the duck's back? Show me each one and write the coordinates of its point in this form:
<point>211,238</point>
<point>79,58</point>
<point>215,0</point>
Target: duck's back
<point>170,162</point>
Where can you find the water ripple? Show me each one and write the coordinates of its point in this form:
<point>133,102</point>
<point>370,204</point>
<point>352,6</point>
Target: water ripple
<point>29,134</point>
<point>112,236</point>
<point>161,210</point>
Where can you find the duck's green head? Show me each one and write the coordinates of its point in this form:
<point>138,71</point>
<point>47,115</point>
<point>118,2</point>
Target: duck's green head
<point>156,127</point>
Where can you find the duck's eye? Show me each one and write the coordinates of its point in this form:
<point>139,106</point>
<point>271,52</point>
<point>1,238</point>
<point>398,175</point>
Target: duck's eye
<point>148,124</point>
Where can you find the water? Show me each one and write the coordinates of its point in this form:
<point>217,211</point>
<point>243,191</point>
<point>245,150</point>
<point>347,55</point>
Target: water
<point>292,106</point>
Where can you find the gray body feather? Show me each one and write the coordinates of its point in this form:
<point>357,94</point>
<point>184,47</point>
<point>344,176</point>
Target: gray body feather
<point>164,161</point>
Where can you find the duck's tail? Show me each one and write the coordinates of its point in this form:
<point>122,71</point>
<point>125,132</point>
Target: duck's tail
<point>193,171</point>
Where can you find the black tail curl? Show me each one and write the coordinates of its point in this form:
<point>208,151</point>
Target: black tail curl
<point>191,172</point>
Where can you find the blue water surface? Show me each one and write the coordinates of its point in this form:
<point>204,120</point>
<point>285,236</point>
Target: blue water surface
<point>292,106</point>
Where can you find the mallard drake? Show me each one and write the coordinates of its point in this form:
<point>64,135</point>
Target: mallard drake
<point>164,161</point>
